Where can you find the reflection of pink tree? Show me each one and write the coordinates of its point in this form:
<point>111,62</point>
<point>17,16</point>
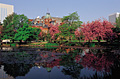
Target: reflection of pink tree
<point>51,60</point>
<point>54,63</point>
<point>78,58</point>
<point>98,63</point>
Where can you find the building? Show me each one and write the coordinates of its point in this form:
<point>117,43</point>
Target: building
<point>5,10</point>
<point>57,19</point>
<point>112,17</point>
<point>44,22</point>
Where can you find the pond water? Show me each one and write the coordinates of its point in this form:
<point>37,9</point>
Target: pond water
<point>59,63</point>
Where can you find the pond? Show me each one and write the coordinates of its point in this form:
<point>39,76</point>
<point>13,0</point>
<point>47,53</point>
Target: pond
<point>59,63</point>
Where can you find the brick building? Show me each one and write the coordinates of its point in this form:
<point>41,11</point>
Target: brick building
<point>44,22</point>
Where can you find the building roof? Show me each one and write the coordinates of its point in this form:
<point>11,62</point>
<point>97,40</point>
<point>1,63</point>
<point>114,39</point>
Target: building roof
<point>6,4</point>
<point>47,15</point>
<point>40,24</point>
<point>115,13</point>
<point>45,26</point>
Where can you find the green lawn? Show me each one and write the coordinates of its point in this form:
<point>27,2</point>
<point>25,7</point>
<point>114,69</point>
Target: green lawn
<point>37,43</point>
<point>84,41</point>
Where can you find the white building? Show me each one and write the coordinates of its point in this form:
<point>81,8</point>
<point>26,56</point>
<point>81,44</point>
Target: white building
<point>5,10</point>
<point>112,17</point>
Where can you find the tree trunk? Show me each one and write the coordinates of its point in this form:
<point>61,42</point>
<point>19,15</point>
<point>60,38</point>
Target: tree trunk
<point>70,39</point>
<point>13,41</point>
<point>98,40</point>
<point>26,42</point>
<point>79,40</point>
<point>43,39</point>
<point>20,41</point>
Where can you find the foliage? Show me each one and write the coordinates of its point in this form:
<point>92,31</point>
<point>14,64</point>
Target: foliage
<point>66,31</point>
<point>78,34</point>
<point>19,21</point>
<point>53,30</point>
<point>27,33</point>
<point>70,44</point>
<point>42,36</point>
<point>8,20</point>
<point>51,45</point>
<point>91,44</point>
<point>99,61</point>
<point>11,24</point>
<point>71,19</point>
<point>98,30</point>
<point>13,44</point>
<point>70,66</point>
<point>117,29</point>
<point>71,23</point>
<point>118,22</point>
<point>8,28</point>
<point>48,37</point>
<point>8,32</point>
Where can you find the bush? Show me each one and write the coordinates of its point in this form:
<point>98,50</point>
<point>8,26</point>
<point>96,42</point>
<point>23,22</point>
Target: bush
<point>89,44</point>
<point>13,44</point>
<point>50,45</point>
<point>92,45</point>
<point>70,44</point>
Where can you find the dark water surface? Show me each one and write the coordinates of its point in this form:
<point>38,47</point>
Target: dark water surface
<point>59,63</point>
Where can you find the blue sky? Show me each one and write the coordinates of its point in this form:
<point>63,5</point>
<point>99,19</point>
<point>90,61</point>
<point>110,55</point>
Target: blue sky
<point>88,10</point>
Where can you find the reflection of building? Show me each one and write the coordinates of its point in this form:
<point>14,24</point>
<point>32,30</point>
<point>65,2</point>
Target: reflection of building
<point>44,22</point>
<point>112,17</point>
<point>5,10</point>
<point>6,49</point>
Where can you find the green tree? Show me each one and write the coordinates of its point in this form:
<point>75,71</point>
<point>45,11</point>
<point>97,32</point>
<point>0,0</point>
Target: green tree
<point>48,37</point>
<point>19,21</point>
<point>71,19</point>
<point>117,29</point>
<point>66,31</point>
<point>118,22</point>
<point>8,32</point>
<point>11,24</point>
<point>8,20</point>
<point>72,22</point>
<point>27,33</point>
<point>8,28</point>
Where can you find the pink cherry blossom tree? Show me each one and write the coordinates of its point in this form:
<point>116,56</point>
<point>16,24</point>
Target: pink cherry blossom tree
<point>97,30</point>
<point>53,30</point>
<point>78,34</point>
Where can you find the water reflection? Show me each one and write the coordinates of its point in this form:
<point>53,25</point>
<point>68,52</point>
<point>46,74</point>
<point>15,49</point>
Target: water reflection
<point>6,49</point>
<point>60,63</point>
<point>15,70</point>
